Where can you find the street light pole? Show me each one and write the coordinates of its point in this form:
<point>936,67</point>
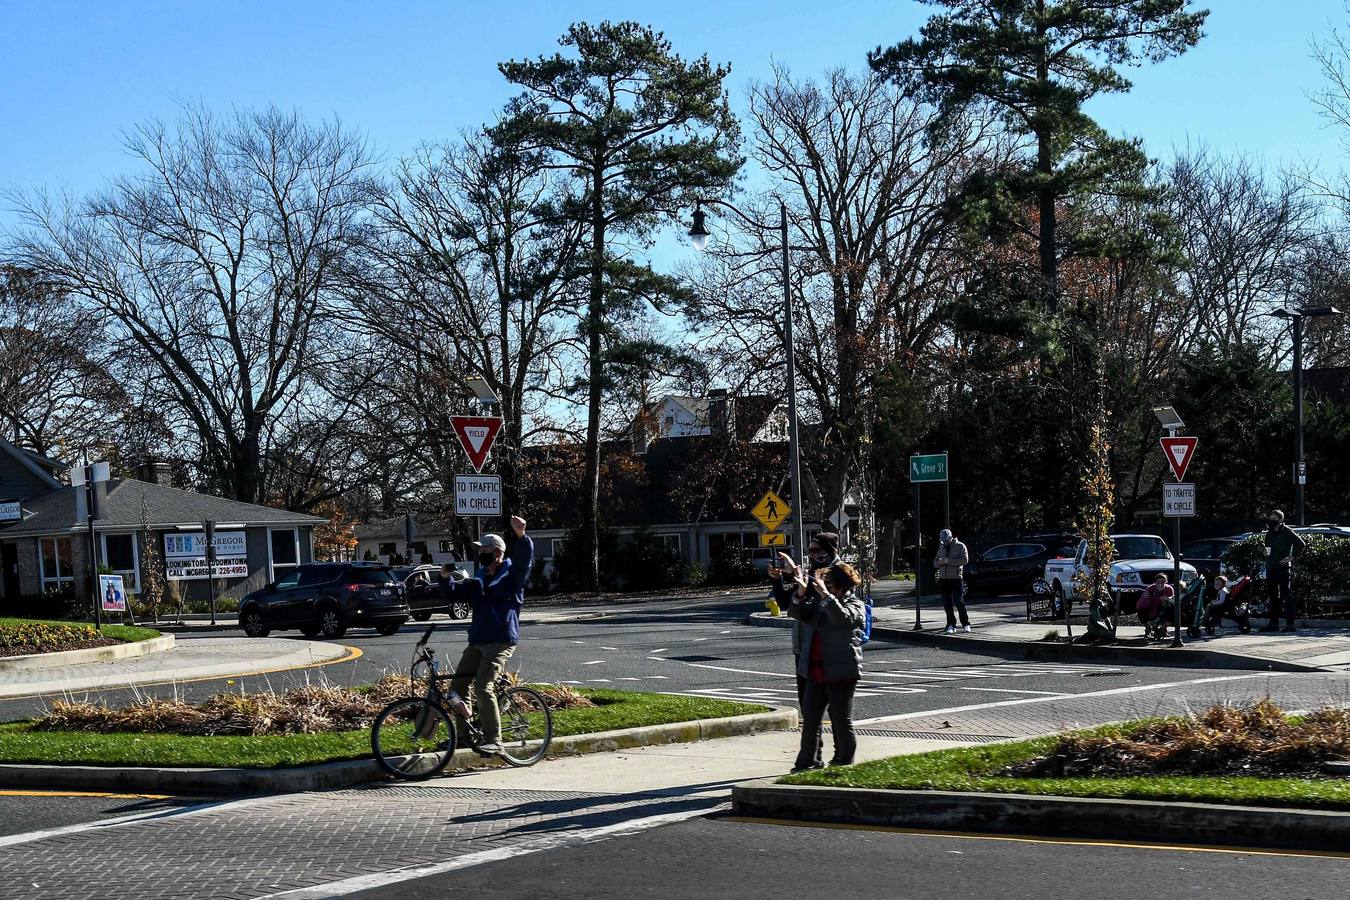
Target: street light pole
<point>698,234</point>
<point>1299,476</point>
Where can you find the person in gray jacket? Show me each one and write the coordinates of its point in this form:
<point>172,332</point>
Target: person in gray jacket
<point>830,661</point>
<point>951,559</point>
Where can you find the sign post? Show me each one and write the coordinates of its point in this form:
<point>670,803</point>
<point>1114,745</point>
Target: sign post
<point>209,538</point>
<point>1178,502</point>
<point>925,467</point>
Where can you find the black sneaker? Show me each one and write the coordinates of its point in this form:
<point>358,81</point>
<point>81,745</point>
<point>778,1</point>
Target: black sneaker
<point>811,768</point>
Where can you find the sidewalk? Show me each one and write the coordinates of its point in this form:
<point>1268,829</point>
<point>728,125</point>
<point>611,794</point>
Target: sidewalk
<point>186,661</point>
<point>1320,646</point>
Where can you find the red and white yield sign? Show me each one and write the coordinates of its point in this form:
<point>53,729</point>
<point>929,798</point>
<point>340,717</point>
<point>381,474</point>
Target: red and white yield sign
<point>476,434</point>
<point>1179,451</point>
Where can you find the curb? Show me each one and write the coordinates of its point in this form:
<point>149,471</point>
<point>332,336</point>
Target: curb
<point>87,655</point>
<point>1057,652</point>
<point>346,773</point>
<point>1024,814</point>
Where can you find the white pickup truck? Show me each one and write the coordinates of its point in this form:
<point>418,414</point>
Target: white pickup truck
<point>1138,560</point>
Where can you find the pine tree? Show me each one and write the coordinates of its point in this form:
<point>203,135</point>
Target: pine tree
<point>1036,63</point>
<point>643,134</point>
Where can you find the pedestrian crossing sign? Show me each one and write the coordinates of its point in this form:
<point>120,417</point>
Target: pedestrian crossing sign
<point>771,511</point>
<point>773,539</point>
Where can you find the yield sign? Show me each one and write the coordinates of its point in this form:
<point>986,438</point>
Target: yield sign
<point>1179,451</point>
<point>476,434</point>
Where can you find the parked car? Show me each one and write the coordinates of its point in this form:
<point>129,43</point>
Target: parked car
<point>762,557</point>
<point>1138,558</point>
<point>325,599</point>
<point>1207,555</point>
<point>1016,565</point>
<point>424,594</point>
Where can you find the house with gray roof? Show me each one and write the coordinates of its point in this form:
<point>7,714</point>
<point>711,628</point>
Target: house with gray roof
<point>45,535</point>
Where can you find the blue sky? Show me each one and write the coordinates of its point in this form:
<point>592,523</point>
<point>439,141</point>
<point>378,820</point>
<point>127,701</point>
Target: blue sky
<point>76,74</point>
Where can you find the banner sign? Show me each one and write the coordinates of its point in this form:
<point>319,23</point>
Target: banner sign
<point>10,511</point>
<point>185,555</point>
<point>112,594</point>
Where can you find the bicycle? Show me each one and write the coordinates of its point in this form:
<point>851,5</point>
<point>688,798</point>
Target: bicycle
<point>414,738</point>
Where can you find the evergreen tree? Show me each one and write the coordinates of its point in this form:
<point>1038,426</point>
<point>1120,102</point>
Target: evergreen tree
<point>1037,62</point>
<point>642,133</point>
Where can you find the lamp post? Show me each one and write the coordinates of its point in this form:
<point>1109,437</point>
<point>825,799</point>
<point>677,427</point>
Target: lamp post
<point>1300,471</point>
<point>698,235</point>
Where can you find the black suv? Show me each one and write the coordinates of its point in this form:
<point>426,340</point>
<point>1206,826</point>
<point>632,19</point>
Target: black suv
<point>1014,566</point>
<point>324,599</point>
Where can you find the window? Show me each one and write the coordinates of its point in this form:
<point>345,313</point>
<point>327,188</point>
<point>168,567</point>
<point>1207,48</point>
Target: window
<point>721,543</point>
<point>994,554</point>
<point>556,547</point>
<point>1024,551</point>
<point>285,546</point>
<point>289,580</point>
<point>122,556</point>
<point>387,550</point>
<point>371,576</point>
<point>311,575</point>
<point>671,541</point>
<point>417,550</point>
<point>57,564</point>
<point>447,546</point>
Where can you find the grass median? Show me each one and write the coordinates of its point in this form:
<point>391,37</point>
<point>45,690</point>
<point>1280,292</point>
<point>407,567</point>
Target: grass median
<point>1255,756</point>
<point>20,743</point>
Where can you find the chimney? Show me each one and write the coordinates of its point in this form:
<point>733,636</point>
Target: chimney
<point>721,412</point>
<point>155,472</point>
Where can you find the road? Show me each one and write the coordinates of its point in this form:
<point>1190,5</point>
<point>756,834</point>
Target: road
<point>540,842</point>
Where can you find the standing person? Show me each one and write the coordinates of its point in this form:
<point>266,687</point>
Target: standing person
<point>822,553</point>
<point>1283,546</point>
<point>952,557</point>
<point>830,663</point>
<point>496,593</point>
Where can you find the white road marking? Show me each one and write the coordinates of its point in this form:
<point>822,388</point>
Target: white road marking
<point>629,678</point>
<point>599,681</point>
<point>729,669</point>
<point>578,642</point>
<point>659,650</point>
<point>570,682</point>
<point>1011,691</point>
<point>497,854</point>
<point>1023,702</point>
<point>696,640</point>
<point>594,662</point>
<point>615,649</point>
<point>728,631</point>
<point>663,677</point>
<point>175,812</point>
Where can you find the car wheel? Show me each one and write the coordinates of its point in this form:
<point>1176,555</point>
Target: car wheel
<point>251,620</point>
<point>330,626</point>
<point>1060,600</point>
<point>460,610</point>
<point>391,628</point>
<point>422,616</point>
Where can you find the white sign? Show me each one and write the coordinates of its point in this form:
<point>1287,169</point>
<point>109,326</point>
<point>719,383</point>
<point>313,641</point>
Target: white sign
<point>112,594</point>
<point>185,556</point>
<point>192,545</point>
<point>1178,500</point>
<point>478,495</point>
<point>10,511</point>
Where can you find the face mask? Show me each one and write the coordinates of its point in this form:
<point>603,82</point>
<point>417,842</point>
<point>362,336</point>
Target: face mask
<point>1274,523</point>
<point>486,559</point>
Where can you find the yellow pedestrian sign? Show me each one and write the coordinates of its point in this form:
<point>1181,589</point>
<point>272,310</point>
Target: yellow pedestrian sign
<point>771,511</point>
<point>773,539</point>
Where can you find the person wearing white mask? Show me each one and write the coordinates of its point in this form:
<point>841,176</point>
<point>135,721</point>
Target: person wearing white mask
<point>951,560</point>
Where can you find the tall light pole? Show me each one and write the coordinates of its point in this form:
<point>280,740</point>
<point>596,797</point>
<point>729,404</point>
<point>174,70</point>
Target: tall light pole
<point>1300,468</point>
<point>698,235</point>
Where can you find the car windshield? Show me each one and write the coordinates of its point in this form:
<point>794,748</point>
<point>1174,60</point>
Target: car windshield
<point>1140,548</point>
<point>402,572</point>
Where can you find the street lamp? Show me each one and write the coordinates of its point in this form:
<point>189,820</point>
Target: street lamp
<point>698,236</point>
<point>1300,469</point>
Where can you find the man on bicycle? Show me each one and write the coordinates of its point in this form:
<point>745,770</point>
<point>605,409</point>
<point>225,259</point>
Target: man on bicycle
<point>495,593</point>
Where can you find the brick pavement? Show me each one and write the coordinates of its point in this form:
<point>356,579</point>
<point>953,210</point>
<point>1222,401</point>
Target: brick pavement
<point>284,843</point>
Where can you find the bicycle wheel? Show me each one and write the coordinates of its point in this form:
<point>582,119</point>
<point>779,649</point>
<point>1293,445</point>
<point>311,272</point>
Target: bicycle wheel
<point>527,726</point>
<point>413,738</point>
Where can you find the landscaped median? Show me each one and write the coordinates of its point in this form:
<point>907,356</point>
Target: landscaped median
<point>316,737</point>
<point>43,643</point>
<point>1228,776</point>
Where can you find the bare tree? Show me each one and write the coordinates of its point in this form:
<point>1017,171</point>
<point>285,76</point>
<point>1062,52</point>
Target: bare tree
<point>216,263</point>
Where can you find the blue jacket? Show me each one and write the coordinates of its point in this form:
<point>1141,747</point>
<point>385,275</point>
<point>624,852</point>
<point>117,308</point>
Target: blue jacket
<point>496,603</point>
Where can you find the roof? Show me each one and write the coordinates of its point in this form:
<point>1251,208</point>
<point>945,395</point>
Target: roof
<point>132,503</point>
<point>392,527</point>
<point>45,468</point>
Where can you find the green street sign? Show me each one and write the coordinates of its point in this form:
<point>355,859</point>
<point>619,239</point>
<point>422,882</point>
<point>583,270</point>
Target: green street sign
<point>930,467</point>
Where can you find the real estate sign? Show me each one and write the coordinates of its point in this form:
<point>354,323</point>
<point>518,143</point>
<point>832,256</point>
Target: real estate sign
<point>185,555</point>
<point>10,511</point>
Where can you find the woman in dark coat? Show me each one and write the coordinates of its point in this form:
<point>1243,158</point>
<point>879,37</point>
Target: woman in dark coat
<point>830,661</point>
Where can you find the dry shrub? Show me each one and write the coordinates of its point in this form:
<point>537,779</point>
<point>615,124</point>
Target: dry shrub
<point>312,709</point>
<point>1224,740</point>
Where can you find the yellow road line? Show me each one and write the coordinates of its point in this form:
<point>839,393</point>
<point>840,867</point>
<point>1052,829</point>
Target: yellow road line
<point>352,654</point>
<point>1029,839</point>
<point>111,796</point>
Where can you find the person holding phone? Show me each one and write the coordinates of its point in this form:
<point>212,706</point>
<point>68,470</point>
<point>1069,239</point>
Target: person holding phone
<point>831,616</point>
<point>786,578</point>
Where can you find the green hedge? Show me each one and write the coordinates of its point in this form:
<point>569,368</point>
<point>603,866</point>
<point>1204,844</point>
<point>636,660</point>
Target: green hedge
<point>1321,573</point>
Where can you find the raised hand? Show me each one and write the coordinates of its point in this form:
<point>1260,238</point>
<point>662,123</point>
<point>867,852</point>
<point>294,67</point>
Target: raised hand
<point>518,526</point>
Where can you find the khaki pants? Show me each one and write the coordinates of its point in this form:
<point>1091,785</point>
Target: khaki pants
<point>482,665</point>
